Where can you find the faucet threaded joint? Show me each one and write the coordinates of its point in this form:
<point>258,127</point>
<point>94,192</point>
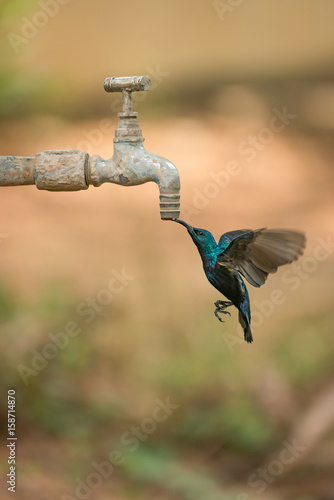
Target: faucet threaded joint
<point>128,129</point>
<point>169,206</point>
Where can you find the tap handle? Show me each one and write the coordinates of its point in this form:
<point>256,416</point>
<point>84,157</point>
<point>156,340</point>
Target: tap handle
<point>127,83</point>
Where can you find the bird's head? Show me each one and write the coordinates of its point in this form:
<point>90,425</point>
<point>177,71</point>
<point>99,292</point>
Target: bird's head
<point>203,239</point>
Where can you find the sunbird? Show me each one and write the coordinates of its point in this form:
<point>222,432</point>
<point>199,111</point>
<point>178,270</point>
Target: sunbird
<point>247,253</point>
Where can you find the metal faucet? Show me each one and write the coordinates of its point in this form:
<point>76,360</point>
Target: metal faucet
<point>130,165</point>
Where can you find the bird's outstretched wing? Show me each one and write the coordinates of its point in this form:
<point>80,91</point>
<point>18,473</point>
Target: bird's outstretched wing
<point>255,254</point>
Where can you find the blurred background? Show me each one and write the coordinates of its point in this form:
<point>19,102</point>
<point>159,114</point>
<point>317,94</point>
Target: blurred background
<point>143,394</point>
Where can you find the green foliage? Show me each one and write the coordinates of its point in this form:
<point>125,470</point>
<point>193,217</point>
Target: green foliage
<point>235,422</point>
<point>159,465</point>
<point>21,91</point>
<point>11,9</point>
<point>8,303</point>
<point>53,302</point>
<point>311,360</point>
<point>246,427</point>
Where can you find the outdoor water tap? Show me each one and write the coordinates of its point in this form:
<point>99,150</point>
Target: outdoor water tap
<point>131,164</point>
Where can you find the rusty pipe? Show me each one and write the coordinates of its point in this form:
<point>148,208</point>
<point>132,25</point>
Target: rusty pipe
<point>131,164</point>
<point>17,170</point>
<point>73,170</point>
<point>57,170</point>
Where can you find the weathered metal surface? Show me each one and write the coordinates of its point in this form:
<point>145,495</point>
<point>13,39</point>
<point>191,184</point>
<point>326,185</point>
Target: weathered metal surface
<point>17,170</point>
<point>61,170</point>
<point>128,129</point>
<point>131,164</point>
<point>127,104</point>
<point>129,83</point>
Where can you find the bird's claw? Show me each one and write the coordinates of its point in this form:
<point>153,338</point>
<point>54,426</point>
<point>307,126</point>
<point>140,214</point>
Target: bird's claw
<point>217,315</point>
<point>221,305</point>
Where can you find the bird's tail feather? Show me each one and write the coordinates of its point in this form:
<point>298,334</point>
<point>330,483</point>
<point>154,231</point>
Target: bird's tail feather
<point>244,319</point>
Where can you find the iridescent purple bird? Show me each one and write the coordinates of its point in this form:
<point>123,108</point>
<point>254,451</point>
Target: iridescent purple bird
<point>247,253</point>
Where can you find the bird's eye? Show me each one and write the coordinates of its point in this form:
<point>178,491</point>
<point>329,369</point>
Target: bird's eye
<point>200,233</point>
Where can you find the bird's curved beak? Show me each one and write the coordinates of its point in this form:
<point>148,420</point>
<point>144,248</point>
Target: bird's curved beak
<point>183,223</point>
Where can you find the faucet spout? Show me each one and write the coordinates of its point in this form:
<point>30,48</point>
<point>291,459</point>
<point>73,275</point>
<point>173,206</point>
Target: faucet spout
<point>132,165</point>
